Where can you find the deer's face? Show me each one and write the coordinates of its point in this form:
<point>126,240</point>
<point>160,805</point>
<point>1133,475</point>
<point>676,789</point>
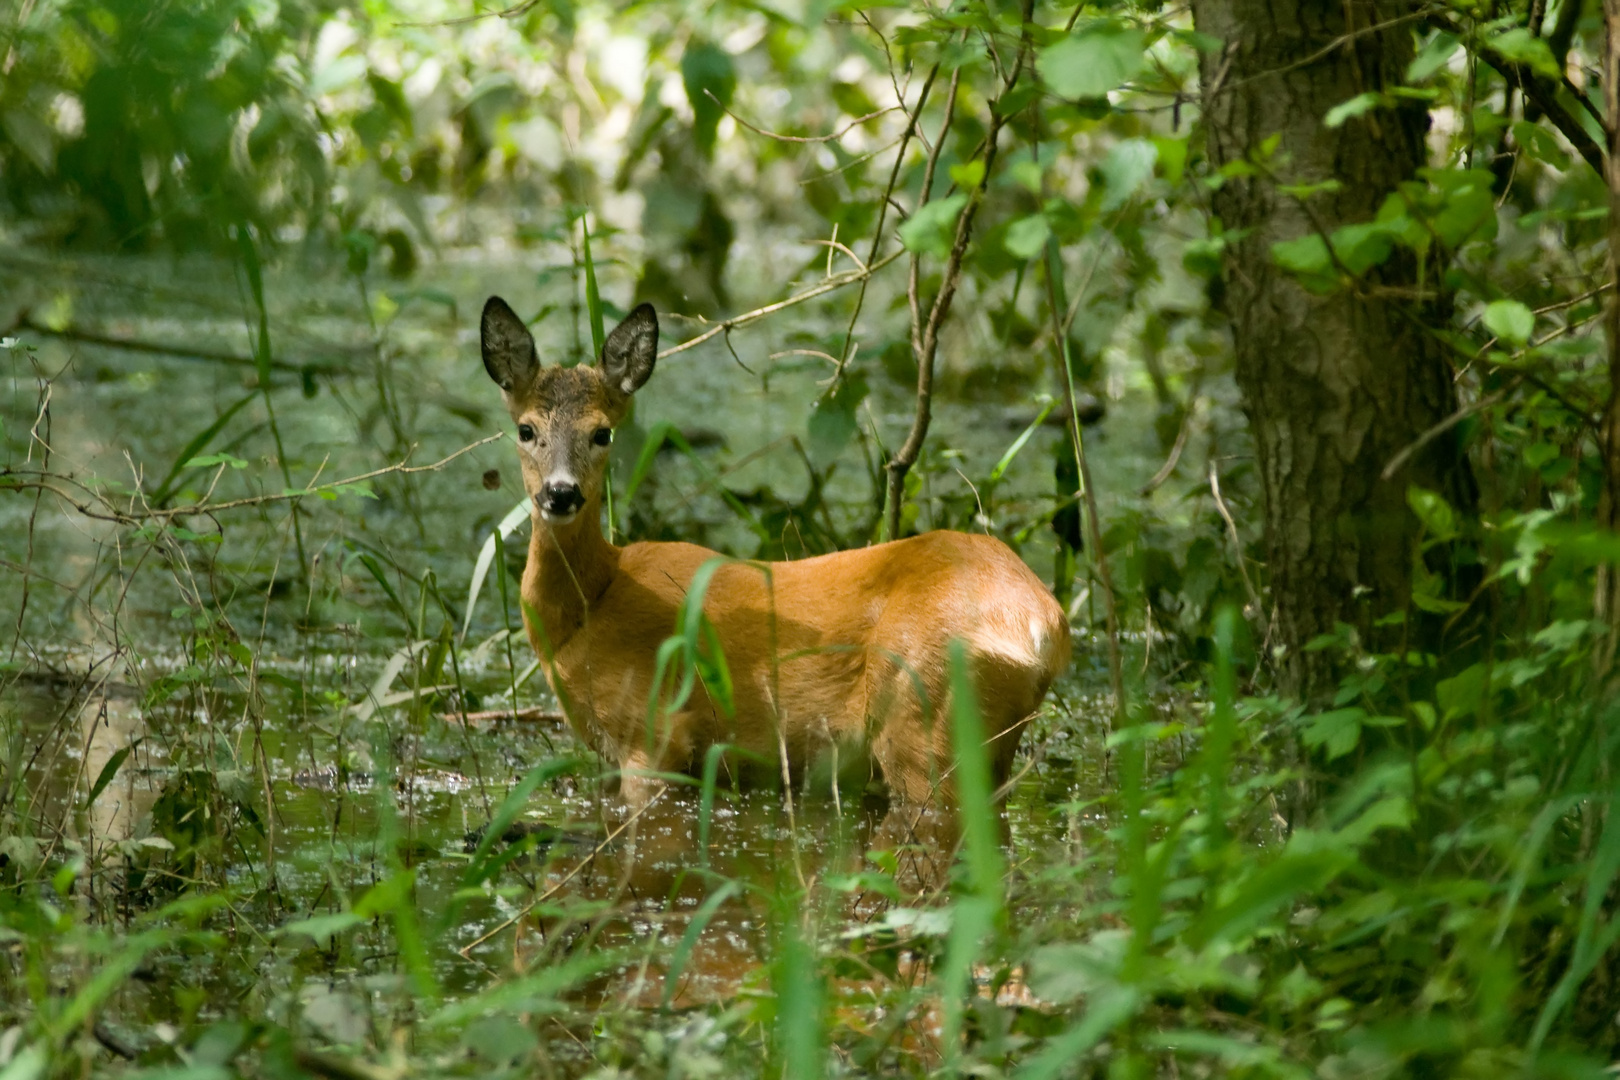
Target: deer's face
<point>565,416</point>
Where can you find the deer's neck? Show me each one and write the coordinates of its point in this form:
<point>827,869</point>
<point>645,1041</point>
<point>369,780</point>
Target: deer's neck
<point>570,567</point>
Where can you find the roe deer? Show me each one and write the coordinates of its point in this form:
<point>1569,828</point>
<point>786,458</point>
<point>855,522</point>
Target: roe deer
<point>837,659</point>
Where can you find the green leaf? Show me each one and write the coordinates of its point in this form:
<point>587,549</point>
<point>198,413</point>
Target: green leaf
<point>1026,237</point>
<point>202,439</point>
<point>1359,105</point>
<point>1127,167</point>
<point>108,771</point>
<point>1431,58</point>
<point>593,296</point>
<point>1338,731</point>
<point>322,928</point>
<point>1438,518</point>
<point>1307,254</point>
<point>1540,144</point>
<point>1524,47</point>
<point>1469,211</point>
<point>1463,694</point>
<point>932,229</point>
<point>1362,247</point>
<point>1172,157</point>
<point>832,420</point>
<point>1093,60</point>
<point>969,174</point>
<point>210,460</point>
<point>709,77</point>
<point>1510,321</point>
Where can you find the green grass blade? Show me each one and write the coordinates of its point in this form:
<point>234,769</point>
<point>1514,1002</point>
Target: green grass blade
<point>974,790</point>
<point>195,447</point>
<point>108,771</point>
<point>1018,443</point>
<point>1106,1012</point>
<point>800,1042</point>
<point>593,298</point>
<point>486,555</point>
<point>694,930</point>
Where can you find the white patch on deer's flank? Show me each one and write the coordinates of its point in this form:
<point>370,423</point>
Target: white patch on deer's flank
<point>1042,640</point>
<point>1008,643</point>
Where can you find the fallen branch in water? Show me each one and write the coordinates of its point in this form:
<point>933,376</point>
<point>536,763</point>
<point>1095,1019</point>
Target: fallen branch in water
<point>179,352</point>
<point>495,716</point>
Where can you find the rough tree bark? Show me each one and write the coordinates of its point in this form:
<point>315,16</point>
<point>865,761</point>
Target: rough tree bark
<point>1334,386</point>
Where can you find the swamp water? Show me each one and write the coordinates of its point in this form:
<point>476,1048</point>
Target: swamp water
<point>190,719</point>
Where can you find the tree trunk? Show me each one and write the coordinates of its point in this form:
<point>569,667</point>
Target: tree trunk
<point>1334,386</point>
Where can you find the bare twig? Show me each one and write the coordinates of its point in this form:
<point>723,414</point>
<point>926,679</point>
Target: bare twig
<point>1255,607</point>
<point>1170,462</point>
<point>1538,88</point>
<point>566,878</point>
<point>1399,461</point>
<point>835,136</point>
<point>30,480</point>
<point>827,285</point>
<point>847,352</point>
<point>922,335</point>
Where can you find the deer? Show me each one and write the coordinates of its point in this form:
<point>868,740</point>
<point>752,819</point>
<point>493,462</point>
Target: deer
<point>836,661</point>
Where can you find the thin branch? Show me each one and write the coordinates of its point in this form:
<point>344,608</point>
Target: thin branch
<point>1255,607</point>
<point>1538,88</point>
<point>837,281</point>
<point>1399,461</point>
<point>925,336</point>
<point>779,137</point>
<point>847,352</point>
<point>38,480</point>
<point>1174,459</point>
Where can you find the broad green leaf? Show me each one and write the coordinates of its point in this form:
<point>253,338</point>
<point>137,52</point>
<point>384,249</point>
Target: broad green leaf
<point>1540,144</point>
<point>1438,518</point>
<point>1127,167</point>
<point>1338,731</point>
<point>322,928</point>
<point>969,174</point>
<point>1431,58</point>
<point>1026,237</point>
<point>1510,321</point>
<point>1362,247</point>
<point>1521,45</point>
<point>1469,212</point>
<point>1307,254</point>
<point>1463,694</point>
<point>832,420</point>
<point>932,229</point>
<point>210,460</point>
<point>709,77</point>
<point>1359,105</point>
<point>1093,60</point>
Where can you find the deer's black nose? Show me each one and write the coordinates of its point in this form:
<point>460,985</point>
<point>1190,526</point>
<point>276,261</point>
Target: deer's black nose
<point>560,499</point>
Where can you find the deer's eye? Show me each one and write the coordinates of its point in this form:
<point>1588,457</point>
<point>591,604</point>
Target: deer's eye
<point>526,433</point>
<point>603,436</point>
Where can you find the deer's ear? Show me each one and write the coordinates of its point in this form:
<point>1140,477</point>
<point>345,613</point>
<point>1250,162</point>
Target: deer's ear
<point>509,353</point>
<point>629,353</point>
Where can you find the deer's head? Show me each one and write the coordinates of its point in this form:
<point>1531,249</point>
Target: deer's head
<point>565,416</point>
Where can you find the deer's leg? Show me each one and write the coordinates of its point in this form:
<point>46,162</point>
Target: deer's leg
<point>638,766</point>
